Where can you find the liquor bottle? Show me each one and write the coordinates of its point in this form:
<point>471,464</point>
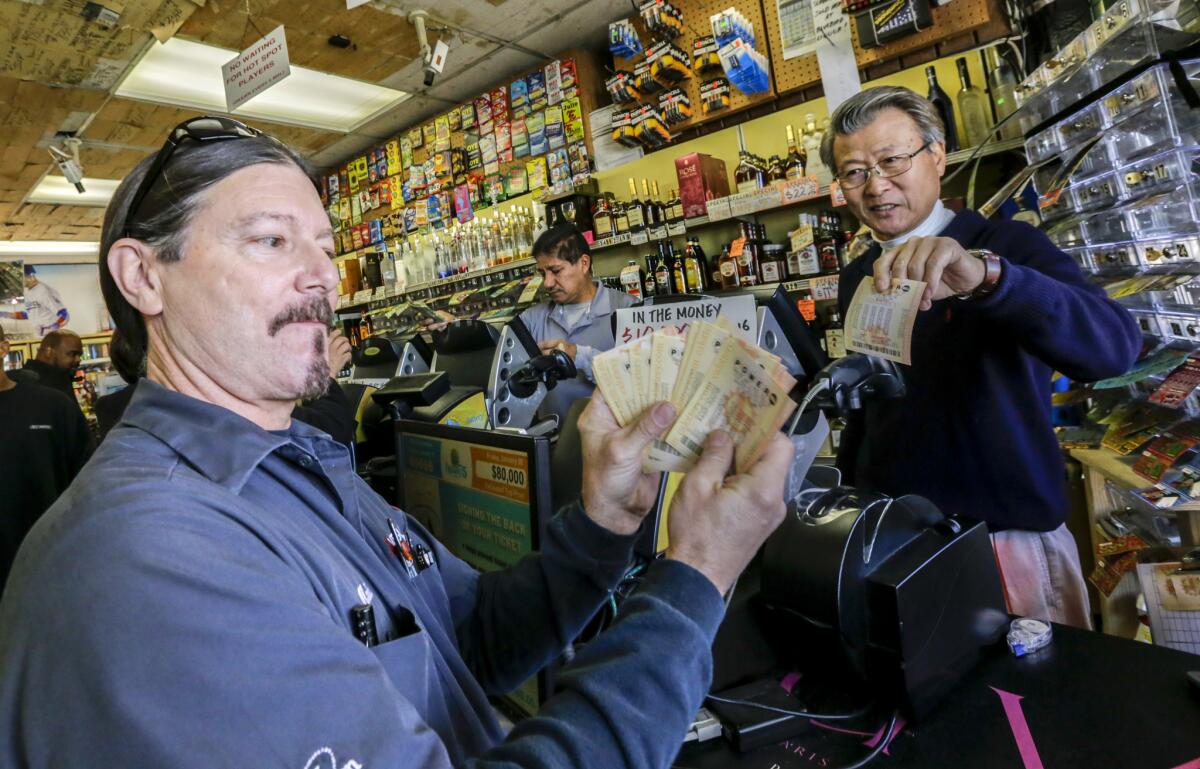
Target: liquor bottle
<point>633,281</point>
<point>747,176</point>
<point>772,268</point>
<point>695,267</point>
<point>649,209</point>
<point>729,269</point>
<point>674,207</point>
<point>662,273</point>
<point>747,264</point>
<point>827,253</point>
<point>945,110</point>
<point>794,166</point>
<point>662,214</point>
<point>602,223</point>
<point>972,107</point>
<point>775,170</point>
<point>650,282</point>
<point>1002,82</point>
<point>620,217</point>
<point>835,336</point>
<point>635,211</point>
<point>679,278</point>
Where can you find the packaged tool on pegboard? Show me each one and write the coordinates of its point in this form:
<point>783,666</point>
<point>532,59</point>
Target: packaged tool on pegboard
<point>745,67</point>
<point>650,129</point>
<point>622,129</point>
<point>885,23</point>
<point>623,39</point>
<point>664,20</point>
<point>644,81</point>
<point>714,95</point>
<point>729,25</point>
<point>621,89</point>
<point>675,106</point>
<point>668,63</point>
<point>704,55</point>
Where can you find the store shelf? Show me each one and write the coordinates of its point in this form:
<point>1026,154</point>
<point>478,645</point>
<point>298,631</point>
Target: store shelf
<point>1112,465</point>
<point>442,283</point>
<point>95,362</point>
<point>697,222</point>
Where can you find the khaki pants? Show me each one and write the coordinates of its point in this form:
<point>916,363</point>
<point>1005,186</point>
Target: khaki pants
<point>1041,576</point>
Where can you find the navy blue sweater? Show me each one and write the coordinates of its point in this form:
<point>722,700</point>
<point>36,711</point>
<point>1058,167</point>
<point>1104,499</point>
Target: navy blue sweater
<point>974,434</point>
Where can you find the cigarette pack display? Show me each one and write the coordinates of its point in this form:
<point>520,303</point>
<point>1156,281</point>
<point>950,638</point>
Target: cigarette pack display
<point>536,83</point>
<point>500,103</point>
<point>701,179</point>
<point>518,94</point>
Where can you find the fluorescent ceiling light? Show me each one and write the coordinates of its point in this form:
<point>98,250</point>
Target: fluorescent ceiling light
<point>40,247</point>
<point>188,74</point>
<point>56,190</point>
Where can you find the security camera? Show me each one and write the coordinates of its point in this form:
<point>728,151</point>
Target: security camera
<point>433,58</point>
<point>68,163</point>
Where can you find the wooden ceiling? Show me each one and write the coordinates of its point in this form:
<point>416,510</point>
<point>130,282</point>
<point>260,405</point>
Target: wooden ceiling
<point>58,68</point>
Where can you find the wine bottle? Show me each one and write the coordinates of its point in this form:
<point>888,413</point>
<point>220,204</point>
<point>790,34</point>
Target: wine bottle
<point>972,107</point>
<point>794,165</point>
<point>945,110</point>
<point>1002,82</point>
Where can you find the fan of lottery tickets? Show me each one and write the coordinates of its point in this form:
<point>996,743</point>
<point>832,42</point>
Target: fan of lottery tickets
<point>715,380</point>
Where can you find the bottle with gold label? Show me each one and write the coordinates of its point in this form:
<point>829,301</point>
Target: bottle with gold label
<point>679,279</point>
<point>747,176</point>
<point>635,210</point>
<point>602,223</point>
<point>747,261</point>
<point>620,217</point>
<point>795,165</point>
<point>650,284</point>
<point>775,170</point>
<point>663,273</point>
<point>633,281</point>
<point>729,269</point>
<point>695,267</point>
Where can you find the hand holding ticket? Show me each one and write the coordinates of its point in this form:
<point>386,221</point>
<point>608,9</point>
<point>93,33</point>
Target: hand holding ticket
<point>715,380</point>
<point>881,324</point>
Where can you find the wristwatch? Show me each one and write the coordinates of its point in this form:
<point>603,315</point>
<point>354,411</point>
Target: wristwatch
<point>993,270</point>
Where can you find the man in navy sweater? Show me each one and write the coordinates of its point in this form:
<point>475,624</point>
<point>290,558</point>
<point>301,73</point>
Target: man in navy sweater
<point>1003,308</point>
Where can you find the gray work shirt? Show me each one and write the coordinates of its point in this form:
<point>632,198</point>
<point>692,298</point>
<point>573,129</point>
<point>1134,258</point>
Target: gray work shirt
<point>186,603</point>
<point>591,334</point>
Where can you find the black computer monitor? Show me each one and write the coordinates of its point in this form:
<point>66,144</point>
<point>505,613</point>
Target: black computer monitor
<point>464,351</point>
<point>798,334</point>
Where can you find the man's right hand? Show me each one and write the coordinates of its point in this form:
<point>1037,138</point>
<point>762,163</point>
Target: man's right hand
<point>717,523</point>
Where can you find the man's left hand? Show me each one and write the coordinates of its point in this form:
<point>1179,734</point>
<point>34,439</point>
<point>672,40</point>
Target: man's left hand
<point>616,493</point>
<point>550,345</point>
<point>339,352</point>
<point>942,263</point>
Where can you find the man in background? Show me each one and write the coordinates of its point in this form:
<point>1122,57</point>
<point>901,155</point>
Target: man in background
<point>57,360</point>
<point>44,441</point>
<point>44,305</point>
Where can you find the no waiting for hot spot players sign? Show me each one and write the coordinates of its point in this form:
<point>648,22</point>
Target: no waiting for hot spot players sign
<point>256,69</point>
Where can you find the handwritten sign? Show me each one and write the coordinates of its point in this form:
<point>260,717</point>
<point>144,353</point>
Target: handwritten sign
<point>256,69</point>
<point>798,190</point>
<point>636,322</point>
<point>824,287</point>
<point>718,209</point>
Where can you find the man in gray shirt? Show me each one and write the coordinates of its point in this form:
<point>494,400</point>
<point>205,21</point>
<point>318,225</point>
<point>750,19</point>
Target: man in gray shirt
<point>578,317</point>
<point>188,601</point>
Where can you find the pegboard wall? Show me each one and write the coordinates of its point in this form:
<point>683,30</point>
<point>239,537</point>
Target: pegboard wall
<point>696,24</point>
<point>953,20</point>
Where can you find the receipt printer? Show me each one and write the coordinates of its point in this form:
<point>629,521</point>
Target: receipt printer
<point>897,597</point>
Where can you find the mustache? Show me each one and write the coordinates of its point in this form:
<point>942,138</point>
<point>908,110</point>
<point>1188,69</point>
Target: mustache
<point>315,310</point>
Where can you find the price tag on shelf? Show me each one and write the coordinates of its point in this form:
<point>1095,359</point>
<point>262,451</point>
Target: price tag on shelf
<point>363,295</point>
<point>795,285</point>
<point>343,301</point>
<point>824,287</point>
<point>798,190</point>
<point>638,238</point>
<point>718,209</point>
<point>658,233</point>
<point>676,229</point>
<point>380,292</point>
<point>743,203</point>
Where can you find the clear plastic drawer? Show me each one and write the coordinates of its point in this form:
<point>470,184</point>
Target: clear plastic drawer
<point>1043,145</point>
<point>1185,328</point>
<point>1068,233</point>
<point>1114,256</point>
<point>1109,226</point>
<point>1080,127</point>
<point>1163,123</point>
<point>1097,161</point>
<point>1171,214</point>
<point>1163,171</point>
<point>1169,251</point>
<point>1135,39</point>
<point>1082,257</point>
<point>1095,193</point>
<point>1147,321</point>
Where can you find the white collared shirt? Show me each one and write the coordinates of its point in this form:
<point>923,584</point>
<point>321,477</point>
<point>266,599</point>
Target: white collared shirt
<point>939,219</point>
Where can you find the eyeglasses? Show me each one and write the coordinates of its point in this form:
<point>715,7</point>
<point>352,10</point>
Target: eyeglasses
<point>893,165</point>
<point>200,129</point>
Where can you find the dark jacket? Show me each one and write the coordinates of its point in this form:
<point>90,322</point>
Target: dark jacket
<point>973,434</point>
<point>53,377</point>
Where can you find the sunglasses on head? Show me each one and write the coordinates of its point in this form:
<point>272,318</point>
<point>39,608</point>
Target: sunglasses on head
<point>200,129</point>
